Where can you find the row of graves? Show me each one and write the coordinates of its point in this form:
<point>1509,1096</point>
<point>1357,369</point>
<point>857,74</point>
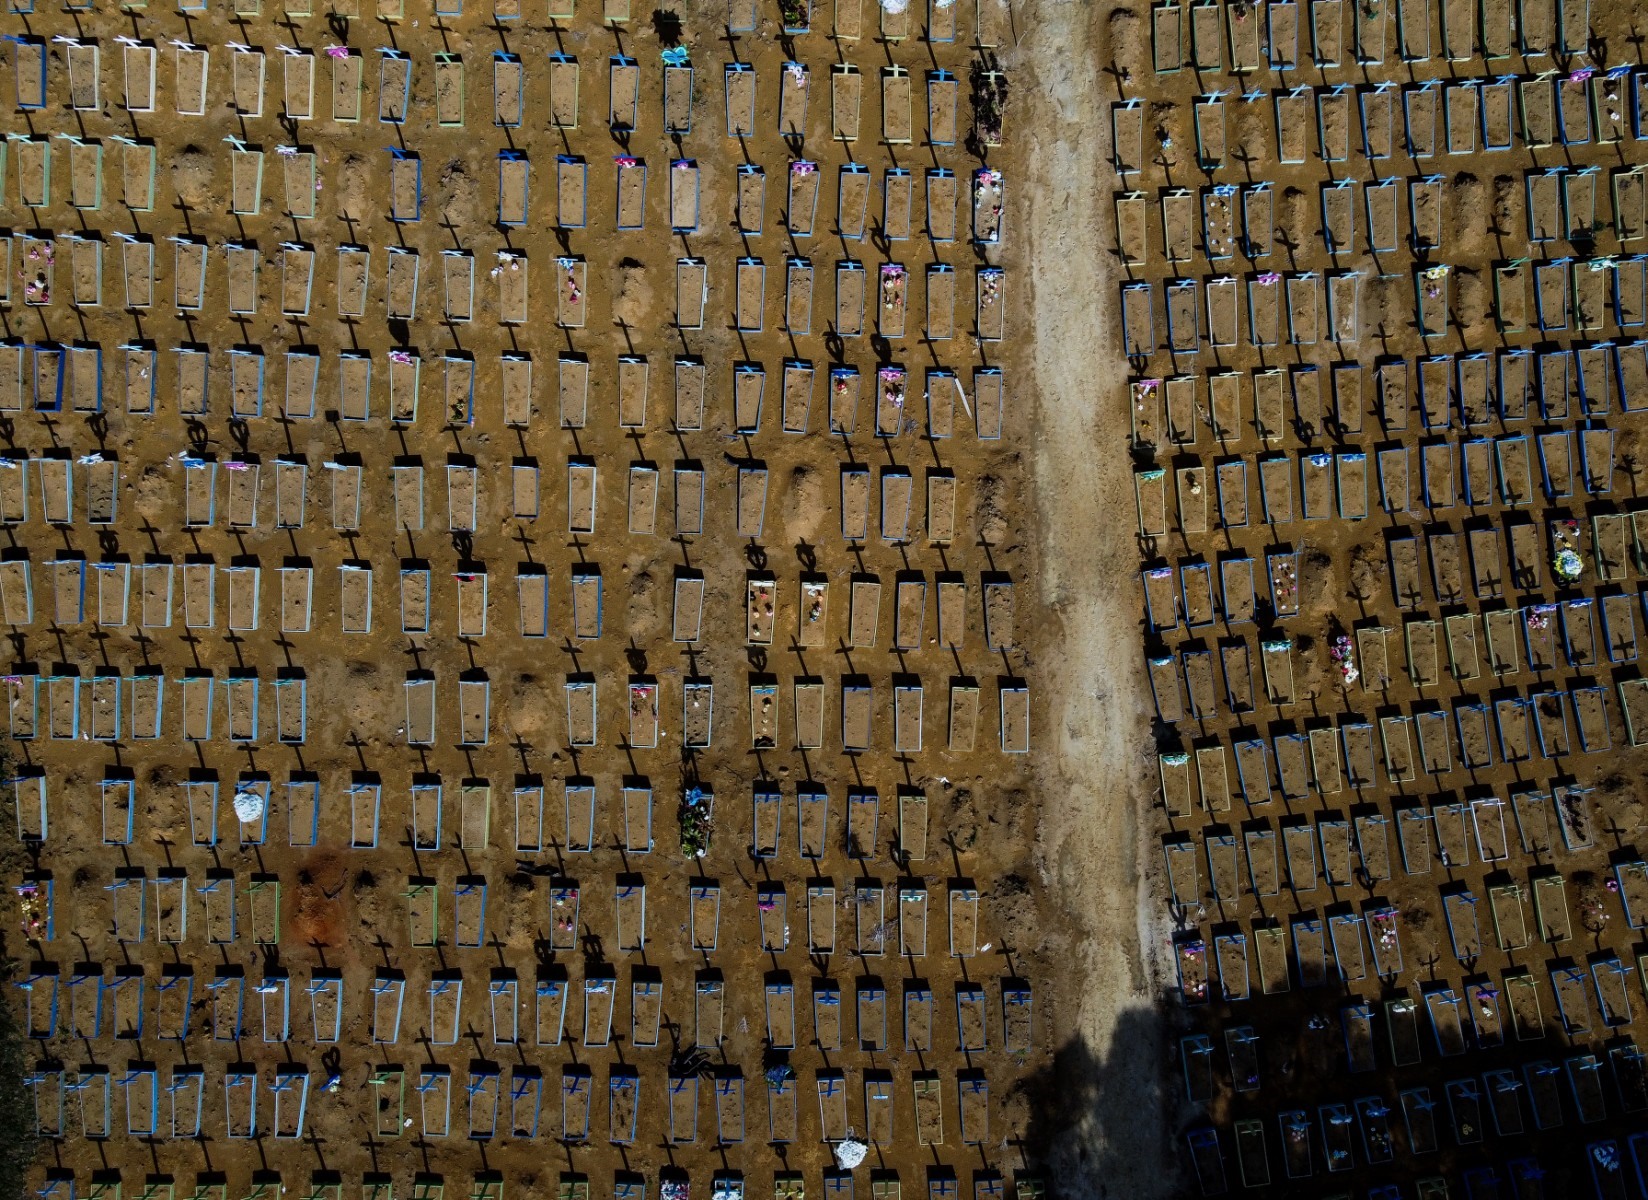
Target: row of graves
<point>855,299</point>
<point>386,86</point>
<point>1219,38</point>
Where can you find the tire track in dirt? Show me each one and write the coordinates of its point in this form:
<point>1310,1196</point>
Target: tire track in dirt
<point>1104,1125</point>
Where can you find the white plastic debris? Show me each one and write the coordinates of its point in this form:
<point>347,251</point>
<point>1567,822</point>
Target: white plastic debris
<point>248,805</point>
<point>850,1152</point>
<point>894,6</point>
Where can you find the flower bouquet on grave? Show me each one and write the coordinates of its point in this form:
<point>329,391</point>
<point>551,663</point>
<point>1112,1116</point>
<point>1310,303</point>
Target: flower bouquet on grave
<point>697,822</point>
<point>796,15</point>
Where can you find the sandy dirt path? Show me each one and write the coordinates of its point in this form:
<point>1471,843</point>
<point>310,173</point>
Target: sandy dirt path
<point>1095,783</point>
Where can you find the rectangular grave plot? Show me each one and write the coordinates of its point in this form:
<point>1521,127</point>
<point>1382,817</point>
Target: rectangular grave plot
<point>1420,104</point>
<point>691,293</point>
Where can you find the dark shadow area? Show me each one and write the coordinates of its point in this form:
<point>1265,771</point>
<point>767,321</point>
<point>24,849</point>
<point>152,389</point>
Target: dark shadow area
<point>1101,1124</point>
